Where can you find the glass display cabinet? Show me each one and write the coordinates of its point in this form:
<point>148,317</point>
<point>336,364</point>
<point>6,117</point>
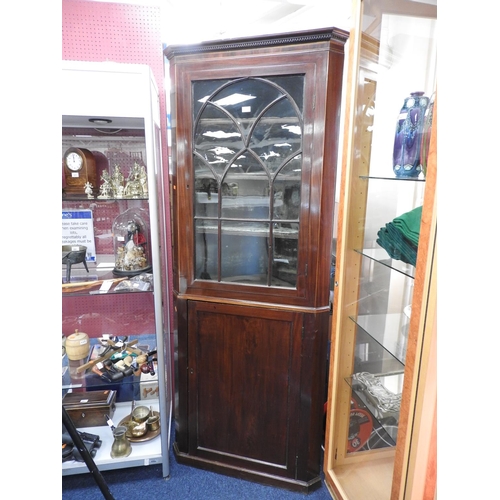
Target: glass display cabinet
<point>115,355</point>
<point>384,294</point>
<point>255,141</point>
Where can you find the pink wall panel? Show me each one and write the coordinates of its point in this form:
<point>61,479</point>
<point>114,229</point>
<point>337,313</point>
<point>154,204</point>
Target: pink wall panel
<point>97,31</point>
<point>130,313</point>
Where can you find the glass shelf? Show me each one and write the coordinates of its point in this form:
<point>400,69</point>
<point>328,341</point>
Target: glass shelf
<point>383,334</point>
<point>401,179</point>
<point>144,453</point>
<point>82,197</point>
<point>382,257</point>
<point>83,283</point>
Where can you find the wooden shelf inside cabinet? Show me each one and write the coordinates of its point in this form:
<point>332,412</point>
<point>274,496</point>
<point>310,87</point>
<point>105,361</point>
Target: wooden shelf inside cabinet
<point>265,119</point>
<point>236,202</point>
<point>250,177</point>
<point>250,228</point>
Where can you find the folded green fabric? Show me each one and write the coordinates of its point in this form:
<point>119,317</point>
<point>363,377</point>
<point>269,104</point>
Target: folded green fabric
<point>409,224</point>
<point>400,237</point>
<point>396,244</point>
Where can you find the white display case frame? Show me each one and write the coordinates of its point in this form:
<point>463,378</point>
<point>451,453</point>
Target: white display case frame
<point>129,94</point>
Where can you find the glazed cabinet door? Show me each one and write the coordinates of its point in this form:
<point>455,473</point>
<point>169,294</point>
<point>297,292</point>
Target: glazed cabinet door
<point>386,240</point>
<point>253,168</point>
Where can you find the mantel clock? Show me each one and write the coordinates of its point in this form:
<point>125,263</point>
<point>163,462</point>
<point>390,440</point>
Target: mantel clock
<point>79,168</point>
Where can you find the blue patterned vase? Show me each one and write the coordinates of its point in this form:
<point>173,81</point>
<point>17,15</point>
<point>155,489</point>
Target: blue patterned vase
<point>426,133</point>
<point>407,160</point>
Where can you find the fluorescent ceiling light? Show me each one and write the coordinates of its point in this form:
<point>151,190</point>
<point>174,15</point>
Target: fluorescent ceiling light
<point>219,134</point>
<point>100,121</point>
<point>294,129</point>
<point>219,150</point>
<point>269,155</point>
<point>231,99</point>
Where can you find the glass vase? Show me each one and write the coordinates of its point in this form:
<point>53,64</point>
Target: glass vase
<point>426,132</point>
<point>407,160</point>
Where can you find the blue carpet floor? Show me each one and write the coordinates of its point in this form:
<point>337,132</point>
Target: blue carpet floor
<point>147,483</point>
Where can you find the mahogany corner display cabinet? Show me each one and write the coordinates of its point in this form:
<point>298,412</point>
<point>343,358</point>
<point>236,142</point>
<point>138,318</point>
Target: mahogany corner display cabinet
<point>380,440</point>
<point>255,125</point>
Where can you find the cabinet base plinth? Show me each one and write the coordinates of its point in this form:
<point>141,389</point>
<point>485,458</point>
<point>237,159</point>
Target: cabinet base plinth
<point>247,474</point>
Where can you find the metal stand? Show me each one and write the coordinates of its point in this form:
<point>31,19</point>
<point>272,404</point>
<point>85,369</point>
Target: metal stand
<point>77,441</point>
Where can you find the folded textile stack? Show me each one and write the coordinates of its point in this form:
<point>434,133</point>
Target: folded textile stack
<point>400,237</point>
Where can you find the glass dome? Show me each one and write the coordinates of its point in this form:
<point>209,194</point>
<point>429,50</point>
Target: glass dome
<point>131,243</point>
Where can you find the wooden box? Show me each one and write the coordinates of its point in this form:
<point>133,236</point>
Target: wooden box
<point>88,409</point>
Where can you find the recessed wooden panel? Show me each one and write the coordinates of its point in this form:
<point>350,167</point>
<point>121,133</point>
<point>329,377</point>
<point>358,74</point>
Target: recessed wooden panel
<point>244,375</point>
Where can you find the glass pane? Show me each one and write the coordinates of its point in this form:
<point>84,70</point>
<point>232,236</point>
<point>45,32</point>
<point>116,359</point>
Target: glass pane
<point>217,139</point>
<point>293,85</point>
<point>247,165</point>
<point>206,249</point>
<point>203,90</point>
<point>371,356</point>
<point>246,196</point>
<point>407,65</point>
<point>246,100</point>
<point>384,309</point>
<point>285,254</point>
<point>287,191</point>
<point>244,252</point>
<point>206,191</point>
<point>277,135</point>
